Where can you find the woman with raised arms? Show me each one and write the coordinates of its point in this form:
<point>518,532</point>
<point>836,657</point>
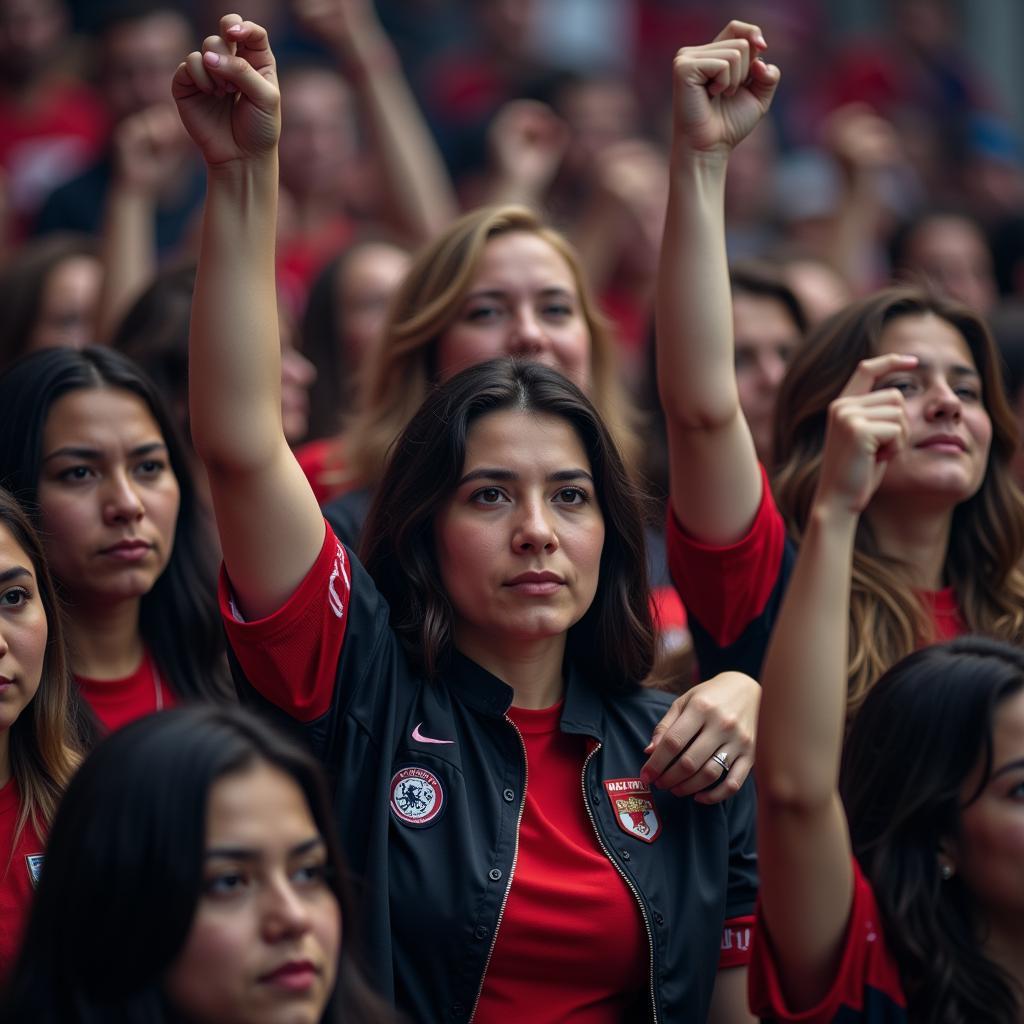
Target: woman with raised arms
<point>508,795</point>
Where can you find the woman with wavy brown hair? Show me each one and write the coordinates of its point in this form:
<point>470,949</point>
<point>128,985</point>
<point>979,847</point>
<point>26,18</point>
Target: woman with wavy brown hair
<point>939,546</point>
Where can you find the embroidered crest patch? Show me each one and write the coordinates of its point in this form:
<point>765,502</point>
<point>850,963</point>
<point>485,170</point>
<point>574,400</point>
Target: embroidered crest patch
<point>633,806</point>
<point>416,797</point>
<point>34,863</point>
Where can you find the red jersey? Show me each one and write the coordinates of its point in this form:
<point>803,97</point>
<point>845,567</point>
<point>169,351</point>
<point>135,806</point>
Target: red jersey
<point>117,702</point>
<point>19,873</point>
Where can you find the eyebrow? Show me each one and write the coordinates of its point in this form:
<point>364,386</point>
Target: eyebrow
<point>957,369</point>
<point>94,454</point>
<point>16,572</point>
<point>247,853</point>
<point>490,473</point>
<point>1010,766</point>
<point>500,293</point>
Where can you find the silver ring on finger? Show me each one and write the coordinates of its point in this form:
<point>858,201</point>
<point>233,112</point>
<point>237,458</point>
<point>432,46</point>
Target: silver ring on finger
<point>721,758</point>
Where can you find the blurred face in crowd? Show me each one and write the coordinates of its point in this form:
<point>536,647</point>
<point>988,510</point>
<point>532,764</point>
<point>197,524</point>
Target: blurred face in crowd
<point>140,57</point>
<point>108,495</point>
<point>30,32</point>
<point>951,252</point>
<point>266,936</point>
<point>523,301</point>
<point>23,633</point>
<point>766,337</point>
<point>364,285</point>
<point>67,308</point>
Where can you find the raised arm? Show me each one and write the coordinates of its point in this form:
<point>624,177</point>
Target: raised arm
<point>270,526</point>
<point>804,855</point>
<point>720,92</point>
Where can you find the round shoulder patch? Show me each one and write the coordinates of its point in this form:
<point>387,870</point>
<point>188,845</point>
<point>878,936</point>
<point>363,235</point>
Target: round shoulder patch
<point>416,797</point>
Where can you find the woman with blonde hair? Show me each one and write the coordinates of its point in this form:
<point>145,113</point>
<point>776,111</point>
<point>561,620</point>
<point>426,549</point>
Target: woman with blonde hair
<point>40,746</point>
<point>939,546</point>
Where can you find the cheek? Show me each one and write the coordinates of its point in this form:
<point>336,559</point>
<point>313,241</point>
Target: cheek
<point>211,968</point>
<point>461,347</point>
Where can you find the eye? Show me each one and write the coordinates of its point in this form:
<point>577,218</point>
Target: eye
<point>15,597</point>
<point>572,496</point>
<point>226,883</point>
<point>483,314</point>
<point>904,385</point>
<point>312,875</point>
<point>488,496</point>
<point>967,393</point>
<point>557,311</point>
<point>76,474</point>
<point>150,467</point>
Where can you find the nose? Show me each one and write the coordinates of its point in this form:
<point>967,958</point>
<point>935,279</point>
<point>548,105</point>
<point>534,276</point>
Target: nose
<point>534,529</point>
<point>773,369</point>
<point>528,336</point>
<point>122,503</point>
<point>943,402</point>
<point>285,912</point>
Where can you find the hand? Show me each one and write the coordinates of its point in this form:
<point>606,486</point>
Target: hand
<point>861,140</point>
<point>866,428</point>
<point>227,96</point>
<point>719,715</point>
<point>527,142</point>
<point>722,89</point>
<point>340,24</point>
<point>146,148</point>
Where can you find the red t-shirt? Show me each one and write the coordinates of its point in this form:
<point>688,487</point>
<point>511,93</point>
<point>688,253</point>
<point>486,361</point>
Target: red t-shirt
<point>116,702</point>
<point>18,875</point>
<point>866,988</point>
<point>568,909</point>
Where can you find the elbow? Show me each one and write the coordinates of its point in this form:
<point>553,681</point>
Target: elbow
<point>699,414</point>
<point>794,792</point>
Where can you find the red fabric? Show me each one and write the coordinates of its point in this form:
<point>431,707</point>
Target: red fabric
<point>572,944</point>
<point>301,257</point>
<point>867,985</point>
<point>737,935</point>
<point>290,657</point>
<point>321,462</point>
<point>16,886</point>
<point>44,145</point>
<point>726,588</point>
<point>946,616</point>
<point>117,702</point>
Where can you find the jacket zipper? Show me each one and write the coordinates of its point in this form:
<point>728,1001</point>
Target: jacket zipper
<point>512,871</point>
<point>632,888</point>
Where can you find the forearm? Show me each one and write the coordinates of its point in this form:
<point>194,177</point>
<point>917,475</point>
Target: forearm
<point>234,354</point>
<point>128,252</point>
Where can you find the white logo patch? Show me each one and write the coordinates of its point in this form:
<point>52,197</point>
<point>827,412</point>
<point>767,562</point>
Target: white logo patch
<point>34,863</point>
<point>416,797</point>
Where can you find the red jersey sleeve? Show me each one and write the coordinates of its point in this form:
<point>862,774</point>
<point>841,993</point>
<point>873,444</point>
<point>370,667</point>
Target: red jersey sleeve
<point>737,934</point>
<point>866,986</point>
<point>726,588</point>
<point>291,657</point>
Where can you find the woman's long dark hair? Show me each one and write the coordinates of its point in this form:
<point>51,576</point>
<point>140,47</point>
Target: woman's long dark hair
<point>614,641</point>
<point>124,870</point>
<point>919,735</point>
<point>179,620</point>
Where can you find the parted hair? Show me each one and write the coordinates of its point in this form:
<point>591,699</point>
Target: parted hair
<point>124,871</point>
<point>614,641</point>
<point>46,739</point>
<point>402,369</point>
<point>887,618</point>
<point>921,732</point>
<point>178,618</point>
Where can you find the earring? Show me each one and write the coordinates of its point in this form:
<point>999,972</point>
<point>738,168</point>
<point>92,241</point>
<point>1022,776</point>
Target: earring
<point>946,870</point>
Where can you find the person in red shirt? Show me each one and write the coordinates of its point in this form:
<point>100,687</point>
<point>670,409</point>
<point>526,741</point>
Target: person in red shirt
<point>39,747</point>
<point>939,547</point>
<point>89,447</point>
<point>892,888</point>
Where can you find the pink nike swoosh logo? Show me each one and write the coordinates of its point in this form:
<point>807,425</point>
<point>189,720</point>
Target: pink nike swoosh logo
<point>420,738</point>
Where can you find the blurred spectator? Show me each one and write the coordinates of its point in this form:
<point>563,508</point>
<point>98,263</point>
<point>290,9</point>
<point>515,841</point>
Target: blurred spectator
<point>49,295</point>
<point>140,44</point>
<point>51,123</point>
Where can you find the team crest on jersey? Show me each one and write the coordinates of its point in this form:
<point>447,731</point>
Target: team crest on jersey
<point>34,863</point>
<point>417,797</point>
<point>633,806</point>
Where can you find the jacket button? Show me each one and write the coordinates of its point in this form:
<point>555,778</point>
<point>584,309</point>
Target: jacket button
<point>624,854</point>
<point>494,874</point>
<point>481,932</point>
<point>458,1010</point>
<point>658,919</point>
<point>509,796</point>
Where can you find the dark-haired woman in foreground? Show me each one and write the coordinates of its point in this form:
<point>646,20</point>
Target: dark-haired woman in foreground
<point>90,450</point>
<point>193,876</point>
<point>909,903</point>
<point>39,743</point>
<point>474,691</point>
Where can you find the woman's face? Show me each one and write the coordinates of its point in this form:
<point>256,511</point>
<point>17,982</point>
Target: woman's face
<point>988,854</point>
<point>107,495</point>
<point>522,301</point>
<point>67,309</point>
<point>950,429</point>
<point>23,631</point>
<point>266,936</point>
<point>364,285</point>
<point>519,542</point>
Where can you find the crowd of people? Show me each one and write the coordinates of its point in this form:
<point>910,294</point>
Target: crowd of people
<point>620,604</point>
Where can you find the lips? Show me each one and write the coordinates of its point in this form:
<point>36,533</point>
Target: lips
<point>536,584</point>
<point>295,975</point>
<point>129,549</point>
<point>943,442</point>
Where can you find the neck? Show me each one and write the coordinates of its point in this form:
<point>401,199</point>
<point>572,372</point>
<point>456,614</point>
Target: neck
<point>919,538</point>
<point>532,669</point>
<point>1005,947</point>
<point>5,757</point>
<point>104,640</point>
